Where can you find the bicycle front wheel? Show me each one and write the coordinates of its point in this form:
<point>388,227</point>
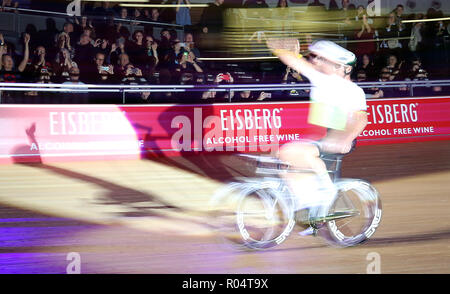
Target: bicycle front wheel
<point>356,214</point>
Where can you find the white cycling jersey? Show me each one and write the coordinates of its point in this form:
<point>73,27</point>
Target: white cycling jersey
<point>337,96</point>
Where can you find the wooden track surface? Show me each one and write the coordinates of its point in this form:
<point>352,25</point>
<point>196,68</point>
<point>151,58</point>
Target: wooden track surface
<point>152,216</point>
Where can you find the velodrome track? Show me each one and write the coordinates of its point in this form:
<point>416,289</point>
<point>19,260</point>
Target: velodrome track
<point>151,216</point>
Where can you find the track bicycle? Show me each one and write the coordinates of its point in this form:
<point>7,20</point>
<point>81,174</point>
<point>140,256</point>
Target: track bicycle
<point>258,213</point>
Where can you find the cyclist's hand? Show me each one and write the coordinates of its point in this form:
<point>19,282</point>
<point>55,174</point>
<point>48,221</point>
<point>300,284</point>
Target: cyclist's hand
<point>291,45</point>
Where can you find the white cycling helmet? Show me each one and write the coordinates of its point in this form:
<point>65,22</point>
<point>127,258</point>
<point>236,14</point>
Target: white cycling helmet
<point>333,52</point>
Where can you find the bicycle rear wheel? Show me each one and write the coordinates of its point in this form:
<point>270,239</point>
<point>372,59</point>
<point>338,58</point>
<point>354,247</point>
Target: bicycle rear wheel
<point>263,217</point>
<point>253,214</point>
<point>224,205</point>
<point>356,214</point>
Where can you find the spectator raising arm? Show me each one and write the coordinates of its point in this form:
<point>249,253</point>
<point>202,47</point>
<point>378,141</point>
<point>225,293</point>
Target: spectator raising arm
<point>364,27</point>
<point>26,54</point>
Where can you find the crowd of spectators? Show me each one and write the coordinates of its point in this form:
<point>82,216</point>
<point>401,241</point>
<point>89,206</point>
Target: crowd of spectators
<point>92,51</point>
<point>398,51</point>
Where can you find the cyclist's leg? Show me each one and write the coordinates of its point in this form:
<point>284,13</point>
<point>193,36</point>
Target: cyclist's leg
<point>314,188</point>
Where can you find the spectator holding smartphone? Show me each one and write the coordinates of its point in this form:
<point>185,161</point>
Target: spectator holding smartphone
<point>126,72</point>
<point>186,62</point>
<point>214,96</point>
<point>185,67</point>
<point>189,45</point>
<point>102,73</point>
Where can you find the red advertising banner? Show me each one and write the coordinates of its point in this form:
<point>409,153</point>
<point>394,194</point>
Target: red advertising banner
<point>74,132</point>
<point>406,120</point>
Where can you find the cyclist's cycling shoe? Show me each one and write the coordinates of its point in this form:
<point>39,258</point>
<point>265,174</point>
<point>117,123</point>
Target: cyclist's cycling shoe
<point>308,217</point>
<point>314,217</point>
<point>317,216</point>
<point>319,221</point>
<point>302,218</point>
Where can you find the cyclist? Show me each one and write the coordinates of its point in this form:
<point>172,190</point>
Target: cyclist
<point>337,104</point>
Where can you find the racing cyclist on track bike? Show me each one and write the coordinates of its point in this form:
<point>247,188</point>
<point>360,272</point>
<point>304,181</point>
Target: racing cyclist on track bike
<point>337,104</point>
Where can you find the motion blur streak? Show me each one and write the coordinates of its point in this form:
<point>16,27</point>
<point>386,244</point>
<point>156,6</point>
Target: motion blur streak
<point>246,30</point>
